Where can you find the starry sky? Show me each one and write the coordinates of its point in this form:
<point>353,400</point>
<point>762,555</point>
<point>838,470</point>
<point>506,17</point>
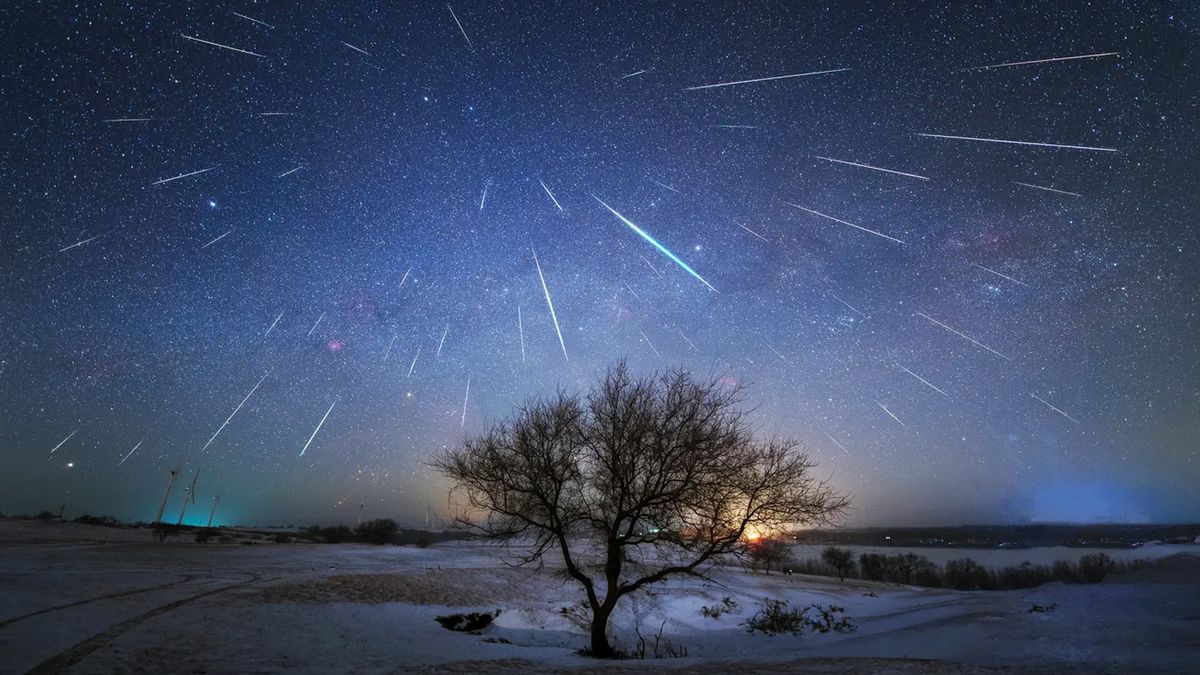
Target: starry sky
<point>328,219</point>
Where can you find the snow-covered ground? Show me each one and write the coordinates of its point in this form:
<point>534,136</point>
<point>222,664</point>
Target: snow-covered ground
<point>93,599</point>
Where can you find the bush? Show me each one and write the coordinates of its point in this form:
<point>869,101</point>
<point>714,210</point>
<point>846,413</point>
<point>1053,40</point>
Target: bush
<point>841,559</point>
<point>378,531</point>
<point>967,575</point>
<point>107,521</point>
<point>467,623</point>
<point>204,534</point>
<point>336,534</point>
<point>1065,572</point>
<point>715,611</point>
<point>282,538</point>
<point>1094,567</point>
<point>774,617</point>
<point>872,566</point>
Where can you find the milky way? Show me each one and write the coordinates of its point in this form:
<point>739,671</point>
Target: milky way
<point>959,241</point>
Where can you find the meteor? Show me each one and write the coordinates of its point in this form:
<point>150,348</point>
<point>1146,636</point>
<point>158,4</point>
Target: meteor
<point>389,349</point>
<point>1000,140</point>
<point>139,444</point>
<point>288,173</point>
<point>273,324</point>
<point>1029,63</point>
<point>130,119</point>
<point>754,233</point>
<point>484,197</point>
<point>1002,276</point>
<point>261,23</point>
<point>442,341</point>
<point>964,336</point>
<point>840,446</point>
<point>218,44</point>
<point>664,185</point>
<point>275,114</point>
<point>219,238</point>
<point>318,323</point>
<point>652,347</point>
<point>360,51</point>
<point>765,79</point>
<point>733,126</point>
<point>633,74</point>
<point>1047,404</point>
<point>460,27</point>
<point>852,307</point>
<point>521,333</point>
<point>414,362</point>
<point>654,241</point>
<point>79,243</point>
<point>889,412</point>
<point>319,425</point>
<point>405,277</point>
<point>838,220</point>
<point>923,380</point>
<point>685,339</point>
<point>466,396</point>
<point>182,175</point>
<point>1047,189</point>
<point>60,443</point>
<point>633,293</point>
<point>235,411</point>
<point>550,304</point>
<point>873,168</point>
<point>651,266</point>
<point>560,208</point>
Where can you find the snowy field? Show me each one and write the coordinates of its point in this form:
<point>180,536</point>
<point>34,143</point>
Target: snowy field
<point>93,599</point>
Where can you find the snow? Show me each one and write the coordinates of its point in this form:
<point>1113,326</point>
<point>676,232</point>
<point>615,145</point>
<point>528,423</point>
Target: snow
<point>114,600</point>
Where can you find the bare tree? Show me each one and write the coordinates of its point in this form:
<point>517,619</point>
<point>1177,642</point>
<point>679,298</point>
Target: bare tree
<point>841,559</point>
<point>642,479</point>
<point>767,551</point>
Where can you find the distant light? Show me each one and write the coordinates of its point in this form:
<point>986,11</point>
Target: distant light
<point>212,204</point>
<point>70,465</point>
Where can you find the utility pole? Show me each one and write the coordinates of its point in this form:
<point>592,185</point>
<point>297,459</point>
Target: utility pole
<point>216,498</point>
<point>191,492</point>
<point>163,504</point>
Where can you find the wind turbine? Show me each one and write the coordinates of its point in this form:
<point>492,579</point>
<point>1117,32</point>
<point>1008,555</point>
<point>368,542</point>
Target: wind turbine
<point>191,491</point>
<point>163,504</point>
<point>216,498</point>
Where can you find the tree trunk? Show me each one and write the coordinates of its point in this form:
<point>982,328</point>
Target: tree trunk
<point>600,648</point>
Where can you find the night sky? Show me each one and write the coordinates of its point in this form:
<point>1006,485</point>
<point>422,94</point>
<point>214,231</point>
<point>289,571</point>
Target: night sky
<point>985,332</point>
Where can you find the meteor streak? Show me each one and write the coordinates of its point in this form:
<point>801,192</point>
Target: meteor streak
<point>964,336</point>
<point>389,349</point>
<point>60,443</point>
<point>319,425</point>
<point>182,175</point>
<point>360,51</point>
<point>651,266</point>
<point>664,185</point>
<point>219,238</point>
<point>754,233</point>
<point>633,293</point>
<point>442,341</point>
<point>1047,189</point>
<point>923,380</point>
<point>685,339</point>
<point>550,304</point>
<point>235,411</point>
<point>288,173</point>
<point>652,240</point>
<point>414,362</point>
<point>275,114</point>
<point>1047,404</point>
<point>273,324</point>
<point>521,333</point>
<point>1028,63</point>
<point>218,44</point>
<point>405,276</point>
<point>130,119</point>
<point>139,444</point>
<point>79,243</point>
<point>999,140</point>
<point>633,74</point>
<point>852,307</point>
<point>838,220</point>
<point>873,168</point>
<point>318,323</point>
<point>483,199</point>
<point>560,208</point>
<point>652,347</point>
<point>889,412</point>
<point>1002,276</point>
<point>834,440</point>
<point>460,28</point>
<point>463,424</point>
<point>764,79</point>
<point>261,23</point>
